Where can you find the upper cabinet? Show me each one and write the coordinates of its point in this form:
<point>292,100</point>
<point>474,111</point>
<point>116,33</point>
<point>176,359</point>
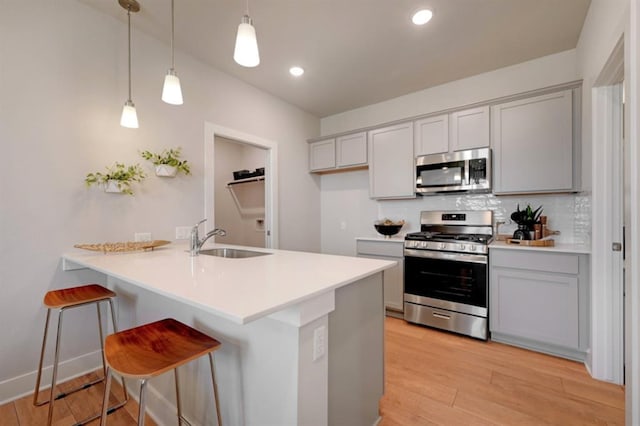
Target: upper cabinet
<point>391,162</point>
<point>535,144</point>
<point>431,135</point>
<point>351,150</point>
<point>458,131</point>
<point>322,155</point>
<point>342,152</point>
<point>469,129</point>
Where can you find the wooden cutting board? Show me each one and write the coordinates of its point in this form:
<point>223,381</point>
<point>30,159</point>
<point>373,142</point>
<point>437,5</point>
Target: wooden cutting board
<point>124,246</point>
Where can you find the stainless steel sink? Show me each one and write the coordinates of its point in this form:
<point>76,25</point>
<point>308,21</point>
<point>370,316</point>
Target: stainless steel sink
<point>232,253</point>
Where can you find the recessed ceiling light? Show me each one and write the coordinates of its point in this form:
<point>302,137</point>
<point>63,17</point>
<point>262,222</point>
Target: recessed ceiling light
<point>296,71</point>
<point>421,17</point>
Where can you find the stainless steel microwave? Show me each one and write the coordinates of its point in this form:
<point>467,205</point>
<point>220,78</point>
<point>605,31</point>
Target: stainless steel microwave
<point>461,171</point>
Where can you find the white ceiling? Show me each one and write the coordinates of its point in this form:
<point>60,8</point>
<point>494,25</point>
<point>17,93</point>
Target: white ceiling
<point>358,52</point>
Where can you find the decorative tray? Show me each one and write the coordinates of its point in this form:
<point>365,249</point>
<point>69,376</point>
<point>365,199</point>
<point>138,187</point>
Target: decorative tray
<point>123,247</point>
<point>532,243</point>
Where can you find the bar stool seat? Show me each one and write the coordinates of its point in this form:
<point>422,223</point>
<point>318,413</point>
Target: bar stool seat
<point>63,299</point>
<point>153,349</point>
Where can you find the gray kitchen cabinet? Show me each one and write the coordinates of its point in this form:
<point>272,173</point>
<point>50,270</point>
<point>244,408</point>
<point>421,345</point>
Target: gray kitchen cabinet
<point>469,129</point>
<point>457,131</point>
<point>322,155</point>
<point>342,152</point>
<point>540,301</point>
<point>391,162</point>
<point>536,144</point>
<point>431,135</point>
<point>393,278</point>
<point>351,150</point>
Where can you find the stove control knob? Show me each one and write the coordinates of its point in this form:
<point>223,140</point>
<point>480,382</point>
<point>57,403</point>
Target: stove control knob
<point>473,248</point>
<point>443,246</point>
<point>424,245</point>
<point>462,246</point>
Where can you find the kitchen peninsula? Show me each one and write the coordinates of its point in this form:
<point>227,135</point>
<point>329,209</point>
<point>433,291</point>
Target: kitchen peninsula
<point>301,333</point>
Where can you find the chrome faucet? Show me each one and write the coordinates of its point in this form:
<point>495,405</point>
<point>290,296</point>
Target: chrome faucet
<point>195,243</point>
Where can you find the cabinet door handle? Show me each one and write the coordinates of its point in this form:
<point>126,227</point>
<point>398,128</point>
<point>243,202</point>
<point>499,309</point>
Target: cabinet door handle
<point>441,316</point>
<point>616,246</point>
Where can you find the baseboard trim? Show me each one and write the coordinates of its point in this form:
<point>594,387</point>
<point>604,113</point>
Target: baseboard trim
<point>20,386</point>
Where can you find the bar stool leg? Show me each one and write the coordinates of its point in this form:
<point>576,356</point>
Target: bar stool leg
<point>115,330</point>
<point>105,397</point>
<point>143,394</point>
<point>44,343</point>
<point>215,388</point>
<point>104,364</point>
<point>175,374</point>
<point>55,368</point>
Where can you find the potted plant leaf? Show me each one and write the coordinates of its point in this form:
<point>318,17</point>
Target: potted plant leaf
<point>117,179</point>
<point>167,162</point>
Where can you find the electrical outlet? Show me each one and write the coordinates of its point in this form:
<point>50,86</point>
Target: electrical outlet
<point>142,236</point>
<point>183,232</point>
<point>319,338</point>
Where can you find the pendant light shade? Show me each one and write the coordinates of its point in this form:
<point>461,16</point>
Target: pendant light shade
<point>129,116</point>
<point>246,51</point>
<point>171,91</point>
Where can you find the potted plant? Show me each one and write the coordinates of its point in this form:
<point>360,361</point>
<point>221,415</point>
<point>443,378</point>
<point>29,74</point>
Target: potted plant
<point>118,178</point>
<point>526,219</point>
<point>167,162</point>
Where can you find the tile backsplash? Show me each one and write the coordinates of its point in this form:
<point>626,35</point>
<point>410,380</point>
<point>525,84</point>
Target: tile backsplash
<point>347,212</point>
<point>568,213</point>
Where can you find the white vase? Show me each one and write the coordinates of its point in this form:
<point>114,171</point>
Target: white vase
<point>112,186</point>
<point>165,170</point>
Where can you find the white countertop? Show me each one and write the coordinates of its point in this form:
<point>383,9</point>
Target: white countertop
<point>559,247</point>
<point>240,290</point>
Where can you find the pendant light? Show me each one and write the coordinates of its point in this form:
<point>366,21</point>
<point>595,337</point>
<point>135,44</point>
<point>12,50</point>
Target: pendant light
<point>171,91</point>
<point>246,51</point>
<point>129,116</point>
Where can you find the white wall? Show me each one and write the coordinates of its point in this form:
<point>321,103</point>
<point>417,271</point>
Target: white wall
<point>569,214</point>
<point>238,222</point>
<point>63,81</point>
<point>531,75</point>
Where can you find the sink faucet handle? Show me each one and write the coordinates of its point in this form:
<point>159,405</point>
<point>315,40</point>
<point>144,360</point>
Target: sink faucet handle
<point>198,224</point>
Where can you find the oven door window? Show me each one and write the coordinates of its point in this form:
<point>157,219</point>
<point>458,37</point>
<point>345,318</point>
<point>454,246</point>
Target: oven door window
<point>454,281</point>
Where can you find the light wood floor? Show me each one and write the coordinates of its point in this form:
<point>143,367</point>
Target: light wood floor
<point>432,378</point>
<point>73,408</point>
<point>438,378</point>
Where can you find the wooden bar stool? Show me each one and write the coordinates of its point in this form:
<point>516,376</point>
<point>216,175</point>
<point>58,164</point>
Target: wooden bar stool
<point>62,300</point>
<point>152,349</point>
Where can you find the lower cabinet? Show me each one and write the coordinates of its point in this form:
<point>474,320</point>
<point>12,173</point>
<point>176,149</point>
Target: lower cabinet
<point>393,277</point>
<point>540,301</point>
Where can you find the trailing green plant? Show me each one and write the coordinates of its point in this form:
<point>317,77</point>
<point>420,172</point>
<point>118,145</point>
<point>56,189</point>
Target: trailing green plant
<point>121,174</point>
<point>169,157</point>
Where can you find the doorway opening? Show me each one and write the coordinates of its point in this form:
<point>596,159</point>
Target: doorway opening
<point>244,203</point>
<point>239,200</point>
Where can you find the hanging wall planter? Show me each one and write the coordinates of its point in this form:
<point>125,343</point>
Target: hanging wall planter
<point>117,179</point>
<point>164,170</point>
<point>167,162</point>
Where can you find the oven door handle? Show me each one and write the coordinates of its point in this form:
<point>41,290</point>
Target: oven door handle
<point>441,316</point>
<point>460,257</point>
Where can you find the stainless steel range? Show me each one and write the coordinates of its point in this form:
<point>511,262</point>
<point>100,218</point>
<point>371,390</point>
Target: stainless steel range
<point>446,271</point>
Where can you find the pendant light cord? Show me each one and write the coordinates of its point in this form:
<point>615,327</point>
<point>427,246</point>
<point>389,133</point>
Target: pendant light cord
<point>172,31</point>
<point>129,18</point>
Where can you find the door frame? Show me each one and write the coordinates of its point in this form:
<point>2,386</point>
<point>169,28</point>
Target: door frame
<point>212,130</point>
